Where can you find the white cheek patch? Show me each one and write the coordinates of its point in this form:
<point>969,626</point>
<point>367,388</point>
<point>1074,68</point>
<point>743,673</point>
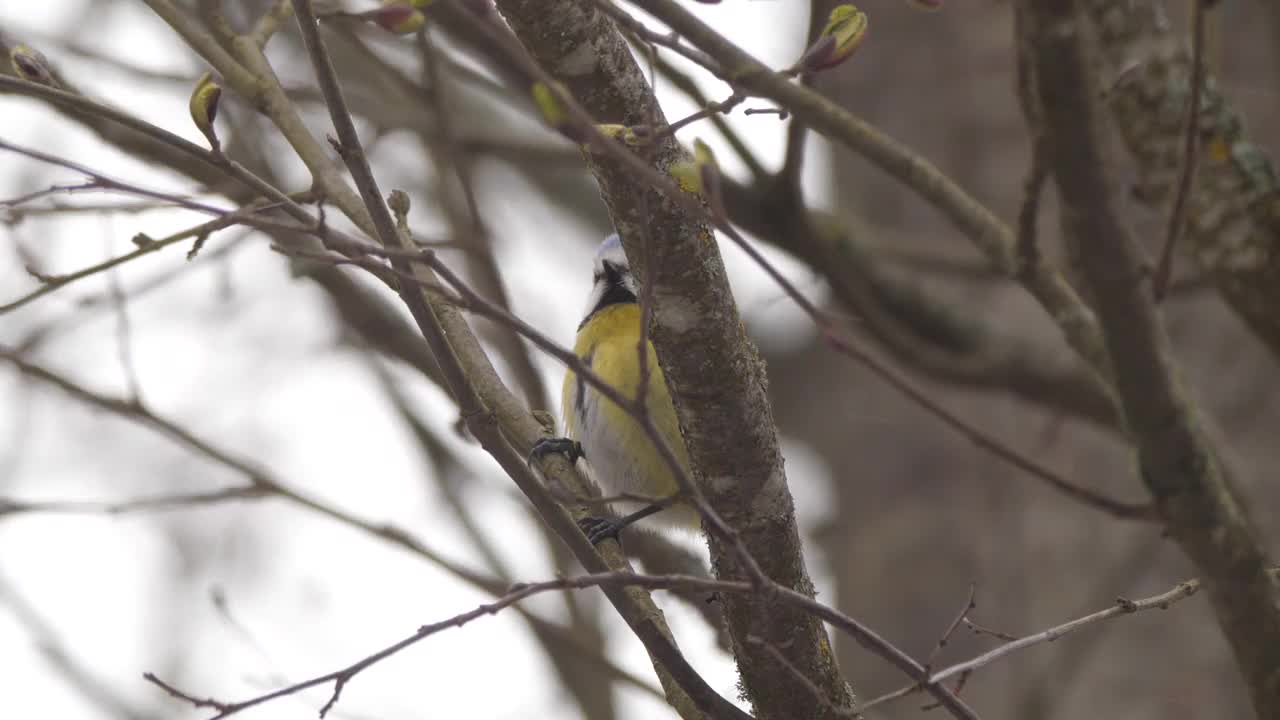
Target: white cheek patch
<point>597,292</point>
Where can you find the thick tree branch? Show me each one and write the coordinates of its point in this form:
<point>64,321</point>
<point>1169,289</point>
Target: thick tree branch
<point>1199,507</point>
<point>715,375</point>
<point>1233,210</point>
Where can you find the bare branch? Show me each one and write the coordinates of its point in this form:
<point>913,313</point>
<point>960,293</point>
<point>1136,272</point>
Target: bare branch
<point>9,506</point>
<point>341,677</point>
<point>608,579</point>
<point>1163,601</point>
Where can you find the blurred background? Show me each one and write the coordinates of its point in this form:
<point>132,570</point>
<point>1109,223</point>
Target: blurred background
<point>313,376</point>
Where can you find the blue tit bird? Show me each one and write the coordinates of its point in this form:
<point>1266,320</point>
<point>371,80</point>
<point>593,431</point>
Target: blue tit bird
<point>620,455</point>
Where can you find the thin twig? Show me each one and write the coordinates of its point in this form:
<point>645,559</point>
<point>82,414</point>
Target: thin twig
<point>694,92</point>
<point>670,40</point>
<point>984,630</point>
<point>797,132</point>
<point>1190,151</point>
<point>124,328</point>
<point>101,181</point>
<point>724,107</point>
<point>146,245</point>
<point>1028,250</point>
<point>341,677</point>
<point>1001,451</point>
<point>1163,601</point>
<point>10,506</point>
<point>951,629</point>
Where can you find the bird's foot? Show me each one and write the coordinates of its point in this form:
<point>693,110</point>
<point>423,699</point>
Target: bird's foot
<point>571,449</point>
<point>599,529</point>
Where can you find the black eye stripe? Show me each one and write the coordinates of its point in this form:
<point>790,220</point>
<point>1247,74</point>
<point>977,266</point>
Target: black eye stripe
<point>610,273</point>
<point>613,274</point>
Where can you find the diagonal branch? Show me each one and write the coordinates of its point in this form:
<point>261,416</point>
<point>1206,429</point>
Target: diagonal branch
<point>1122,606</point>
<point>466,369</point>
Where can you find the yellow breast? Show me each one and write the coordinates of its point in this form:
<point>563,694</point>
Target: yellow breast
<point>621,455</point>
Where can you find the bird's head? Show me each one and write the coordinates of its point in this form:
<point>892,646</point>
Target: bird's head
<point>614,282</point>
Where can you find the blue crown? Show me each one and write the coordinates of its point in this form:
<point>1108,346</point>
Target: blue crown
<point>613,242</point>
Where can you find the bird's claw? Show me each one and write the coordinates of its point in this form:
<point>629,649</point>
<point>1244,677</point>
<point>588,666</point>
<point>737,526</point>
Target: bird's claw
<point>571,449</point>
<point>599,529</point>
